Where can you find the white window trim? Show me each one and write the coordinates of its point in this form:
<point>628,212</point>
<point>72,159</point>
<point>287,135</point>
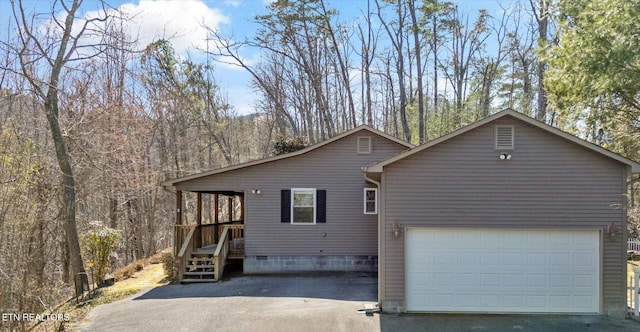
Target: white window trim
<point>368,140</point>
<point>315,205</point>
<point>375,206</point>
<point>513,137</point>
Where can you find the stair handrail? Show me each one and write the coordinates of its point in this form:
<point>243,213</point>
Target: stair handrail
<point>220,255</point>
<point>185,251</point>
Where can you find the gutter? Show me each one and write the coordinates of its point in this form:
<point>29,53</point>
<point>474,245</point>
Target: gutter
<point>380,232</point>
<point>377,183</point>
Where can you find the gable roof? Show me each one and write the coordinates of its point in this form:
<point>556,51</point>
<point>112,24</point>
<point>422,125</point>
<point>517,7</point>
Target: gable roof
<point>635,167</point>
<point>172,182</point>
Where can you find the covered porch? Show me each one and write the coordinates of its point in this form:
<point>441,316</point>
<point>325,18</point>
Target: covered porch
<point>209,231</point>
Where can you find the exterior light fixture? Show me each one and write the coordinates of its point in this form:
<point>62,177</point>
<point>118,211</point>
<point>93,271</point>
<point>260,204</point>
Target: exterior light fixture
<point>612,229</point>
<point>256,191</point>
<point>395,230</point>
<point>505,156</point>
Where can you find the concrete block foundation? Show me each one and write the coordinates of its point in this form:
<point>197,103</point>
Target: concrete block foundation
<point>291,263</point>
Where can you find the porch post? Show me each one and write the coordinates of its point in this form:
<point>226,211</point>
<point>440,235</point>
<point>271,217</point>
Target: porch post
<point>179,207</point>
<point>242,208</point>
<point>216,214</point>
<point>178,234</point>
<point>199,206</point>
<point>216,217</point>
<point>198,232</point>
<point>230,207</point>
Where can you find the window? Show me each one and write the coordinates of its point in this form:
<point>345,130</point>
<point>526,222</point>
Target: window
<point>303,206</point>
<point>364,145</point>
<point>504,138</point>
<point>370,201</point>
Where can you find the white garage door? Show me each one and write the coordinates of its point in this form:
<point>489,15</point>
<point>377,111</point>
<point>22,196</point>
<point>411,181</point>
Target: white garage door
<point>489,270</point>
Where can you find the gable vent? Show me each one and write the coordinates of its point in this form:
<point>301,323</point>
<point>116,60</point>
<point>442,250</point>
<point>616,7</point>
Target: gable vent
<point>504,137</point>
<point>364,145</point>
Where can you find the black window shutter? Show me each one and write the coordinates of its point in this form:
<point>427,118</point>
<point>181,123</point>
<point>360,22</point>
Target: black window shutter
<point>321,206</point>
<point>285,206</point>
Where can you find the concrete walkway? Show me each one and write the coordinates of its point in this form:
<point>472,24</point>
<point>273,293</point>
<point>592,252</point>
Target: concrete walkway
<point>327,302</point>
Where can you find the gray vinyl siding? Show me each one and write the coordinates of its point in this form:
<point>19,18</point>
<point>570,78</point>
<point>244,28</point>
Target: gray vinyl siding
<point>336,168</point>
<point>549,183</point>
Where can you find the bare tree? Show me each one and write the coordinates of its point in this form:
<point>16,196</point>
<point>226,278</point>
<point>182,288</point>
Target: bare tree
<point>228,52</point>
<point>422,133</point>
<point>51,54</point>
<point>517,86</point>
<point>344,70</point>
<point>488,68</point>
<point>397,40</point>
<point>467,42</point>
<point>541,14</point>
<point>367,51</point>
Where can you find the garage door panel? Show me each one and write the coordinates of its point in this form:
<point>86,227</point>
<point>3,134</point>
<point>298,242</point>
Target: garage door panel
<point>513,258</point>
<point>587,260</point>
<point>514,279</point>
<point>584,302</point>
<point>490,279</point>
<point>445,258</point>
<point>482,270</point>
<point>584,280</point>
<point>490,258</point>
<point>537,258</point>
<point>444,300</point>
<point>468,258</point>
<point>561,239</point>
<point>560,280</point>
<point>560,260</point>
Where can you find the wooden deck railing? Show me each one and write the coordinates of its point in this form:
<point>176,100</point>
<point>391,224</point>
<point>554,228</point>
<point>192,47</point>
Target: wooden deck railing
<point>229,233</point>
<point>207,234</point>
<point>220,255</point>
<point>186,244</point>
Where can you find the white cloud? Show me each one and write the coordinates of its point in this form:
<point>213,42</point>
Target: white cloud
<point>179,21</point>
<point>232,3</point>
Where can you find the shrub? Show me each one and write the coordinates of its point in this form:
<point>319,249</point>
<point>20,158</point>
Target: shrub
<point>167,264</point>
<point>283,144</point>
<point>100,244</point>
<point>156,259</point>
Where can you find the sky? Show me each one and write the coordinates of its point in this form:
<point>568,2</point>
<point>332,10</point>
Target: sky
<point>180,21</point>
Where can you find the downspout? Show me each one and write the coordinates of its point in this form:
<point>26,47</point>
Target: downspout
<point>377,183</point>
<point>380,232</point>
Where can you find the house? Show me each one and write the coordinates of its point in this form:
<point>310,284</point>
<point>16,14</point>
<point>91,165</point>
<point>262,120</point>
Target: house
<point>302,211</point>
<point>505,215</point>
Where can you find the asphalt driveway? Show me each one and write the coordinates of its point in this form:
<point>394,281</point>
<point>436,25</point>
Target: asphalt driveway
<point>327,302</point>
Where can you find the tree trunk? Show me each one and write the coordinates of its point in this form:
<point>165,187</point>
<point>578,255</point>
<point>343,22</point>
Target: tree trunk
<point>68,180</point>
<point>542,18</point>
<point>417,50</point>
<point>344,70</point>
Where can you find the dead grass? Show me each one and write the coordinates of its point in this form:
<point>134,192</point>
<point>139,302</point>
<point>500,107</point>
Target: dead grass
<point>129,271</point>
<point>130,279</point>
<point>151,276</point>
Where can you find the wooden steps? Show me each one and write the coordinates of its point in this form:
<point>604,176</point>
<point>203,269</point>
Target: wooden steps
<point>200,267</point>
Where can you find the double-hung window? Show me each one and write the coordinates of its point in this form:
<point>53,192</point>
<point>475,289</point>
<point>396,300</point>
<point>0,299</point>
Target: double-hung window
<point>303,206</point>
<point>370,201</point>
